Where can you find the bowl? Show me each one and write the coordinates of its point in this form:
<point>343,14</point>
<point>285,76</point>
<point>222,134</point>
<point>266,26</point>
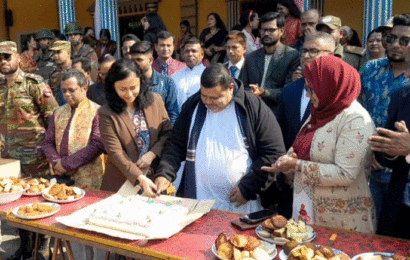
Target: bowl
<point>10,196</point>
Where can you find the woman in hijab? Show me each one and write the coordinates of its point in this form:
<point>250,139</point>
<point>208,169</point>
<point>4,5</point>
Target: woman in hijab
<point>330,158</point>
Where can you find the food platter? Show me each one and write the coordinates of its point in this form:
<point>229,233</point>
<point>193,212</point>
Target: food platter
<point>264,245</point>
<point>283,256</point>
<point>78,191</point>
<point>281,241</point>
<point>48,214</point>
<point>10,196</point>
<point>369,256</point>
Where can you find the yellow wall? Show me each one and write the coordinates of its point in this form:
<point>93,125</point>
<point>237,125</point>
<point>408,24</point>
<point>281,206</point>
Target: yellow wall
<point>30,16</point>
<point>401,6</point>
<point>170,12</point>
<point>349,11</point>
<point>83,16</point>
<point>211,6</point>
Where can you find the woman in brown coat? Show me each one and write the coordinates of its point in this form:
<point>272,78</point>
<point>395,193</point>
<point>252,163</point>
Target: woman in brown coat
<point>134,128</point>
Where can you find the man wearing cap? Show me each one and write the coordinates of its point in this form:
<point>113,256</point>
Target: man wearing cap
<point>353,55</point>
<point>75,32</point>
<point>44,59</point>
<point>26,104</point>
<point>381,79</point>
<point>61,54</point>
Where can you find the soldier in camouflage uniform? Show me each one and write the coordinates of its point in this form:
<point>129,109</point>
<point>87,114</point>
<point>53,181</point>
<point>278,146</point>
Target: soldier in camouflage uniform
<point>26,104</point>
<point>44,59</point>
<point>63,62</point>
<point>75,32</point>
<point>353,55</point>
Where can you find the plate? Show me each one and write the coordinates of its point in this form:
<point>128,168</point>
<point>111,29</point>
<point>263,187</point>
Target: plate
<point>383,254</point>
<point>39,216</point>
<point>310,231</point>
<point>283,256</point>
<point>263,246</point>
<point>32,194</point>
<point>10,196</point>
<point>49,198</point>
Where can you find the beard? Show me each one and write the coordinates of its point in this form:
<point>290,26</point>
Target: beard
<point>269,41</point>
<point>44,48</point>
<point>396,59</point>
<point>9,71</point>
<point>75,44</point>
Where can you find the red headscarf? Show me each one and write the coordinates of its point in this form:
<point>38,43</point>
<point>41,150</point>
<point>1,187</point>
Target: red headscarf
<point>337,85</point>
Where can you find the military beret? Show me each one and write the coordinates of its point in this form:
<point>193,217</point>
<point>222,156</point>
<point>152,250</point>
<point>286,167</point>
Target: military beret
<point>61,45</point>
<point>330,21</point>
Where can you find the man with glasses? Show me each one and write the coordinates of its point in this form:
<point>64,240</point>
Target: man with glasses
<point>268,69</point>
<point>75,32</point>
<point>96,92</point>
<point>381,78</point>
<point>353,55</point>
<point>127,41</point>
<point>26,104</point>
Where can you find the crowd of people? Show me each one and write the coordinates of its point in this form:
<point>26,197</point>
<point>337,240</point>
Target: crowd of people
<point>296,116</point>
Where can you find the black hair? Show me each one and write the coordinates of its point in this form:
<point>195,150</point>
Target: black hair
<point>219,23</point>
<point>270,16</point>
<point>192,40</point>
<point>107,58</point>
<point>106,33</point>
<point>246,17</point>
<point>25,41</point>
<point>144,47</point>
<point>88,28</point>
<point>130,37</point>
<point>214,75</point>
<point>292,7</point>
<point>58,35</point>
<point>85,63</point>
<point>78,75</point>
<point>120,70</point>
<point>155,23</point>
<point>403,19</point>
<point>164,35</point>
<point>187,24</point>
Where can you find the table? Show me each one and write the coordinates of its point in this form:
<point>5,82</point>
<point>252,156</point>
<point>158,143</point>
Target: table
<point>193,242</point>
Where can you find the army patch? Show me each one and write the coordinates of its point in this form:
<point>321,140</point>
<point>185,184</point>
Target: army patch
<point>47,92</point>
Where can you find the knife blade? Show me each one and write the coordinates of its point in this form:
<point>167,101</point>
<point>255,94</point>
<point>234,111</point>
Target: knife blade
<point>332,239</point>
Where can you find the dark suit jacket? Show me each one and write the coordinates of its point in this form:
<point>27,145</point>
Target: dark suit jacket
<point>226,64</point>
<point>288,111</point>
<point>399,109</point>
<point>284,62</point>
<point>120,142</point>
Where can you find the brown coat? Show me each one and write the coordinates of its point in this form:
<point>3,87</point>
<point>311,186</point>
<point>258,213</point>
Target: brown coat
<point>119,138</point>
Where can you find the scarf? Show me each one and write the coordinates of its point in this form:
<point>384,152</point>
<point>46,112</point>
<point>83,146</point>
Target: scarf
<point>337,85</point>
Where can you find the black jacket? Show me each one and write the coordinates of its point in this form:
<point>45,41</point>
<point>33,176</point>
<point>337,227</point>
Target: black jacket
<point>265,140</point>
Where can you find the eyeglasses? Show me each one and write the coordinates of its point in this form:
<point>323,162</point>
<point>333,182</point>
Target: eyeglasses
<point>5,56</point>
<point>313,51</point>
<point>403,41</point>
<point>268,30</point>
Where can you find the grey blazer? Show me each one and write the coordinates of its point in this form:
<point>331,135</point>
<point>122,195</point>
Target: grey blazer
<point>284,62</point>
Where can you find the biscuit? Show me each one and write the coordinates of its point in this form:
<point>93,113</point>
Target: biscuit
<point>239,241</point>
<point>279,221</point>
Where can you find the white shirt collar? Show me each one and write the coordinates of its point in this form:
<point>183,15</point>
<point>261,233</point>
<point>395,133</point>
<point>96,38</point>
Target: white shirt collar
<point>239,65</point>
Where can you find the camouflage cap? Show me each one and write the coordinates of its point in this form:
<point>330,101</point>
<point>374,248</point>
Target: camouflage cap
<point>44,34</point>
<point>61,45</point>
<point>330,21</point>
<point>8,47</point>
<point>74,28</point>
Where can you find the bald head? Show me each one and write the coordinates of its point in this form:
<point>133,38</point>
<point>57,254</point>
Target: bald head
<point>316,45</point>
<point>309,20</point>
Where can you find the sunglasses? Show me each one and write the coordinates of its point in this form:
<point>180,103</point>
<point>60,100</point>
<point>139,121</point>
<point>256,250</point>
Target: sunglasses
<point>403,41</point>
<point>5,56</point>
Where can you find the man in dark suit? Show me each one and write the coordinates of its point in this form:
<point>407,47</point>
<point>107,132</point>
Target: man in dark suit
<point>294,107</point>
<point>235,51</point>
<point>393,143</point>
<point>267,70</point>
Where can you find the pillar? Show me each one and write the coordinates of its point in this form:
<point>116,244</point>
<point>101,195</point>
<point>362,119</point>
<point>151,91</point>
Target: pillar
<point>67,13</point>
<point>376,13</point>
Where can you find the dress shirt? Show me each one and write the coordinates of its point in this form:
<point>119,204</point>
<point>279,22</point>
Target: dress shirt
<point>238,65</point>
<point>173,66</point>
<point>188,82</point>
<point>304,102</point>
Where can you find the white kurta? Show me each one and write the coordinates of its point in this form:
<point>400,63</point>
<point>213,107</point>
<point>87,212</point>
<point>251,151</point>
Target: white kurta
<point>222,160</point>
<point>188,82</point>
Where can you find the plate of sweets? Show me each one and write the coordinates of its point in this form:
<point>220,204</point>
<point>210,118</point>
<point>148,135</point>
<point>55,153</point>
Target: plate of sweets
<point>36,210</point>
<point>37,185</point>
<point>279,230</point>
<point>11,189</point>
<point>380,256</point>
<point>61,193</point>
<point>309,251</point>
<point>243,247</point>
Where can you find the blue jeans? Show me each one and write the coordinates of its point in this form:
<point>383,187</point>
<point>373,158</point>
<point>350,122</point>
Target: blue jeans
<point>378,188</point>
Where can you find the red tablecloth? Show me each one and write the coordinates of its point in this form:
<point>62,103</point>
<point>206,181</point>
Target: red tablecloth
<point>196,240</point>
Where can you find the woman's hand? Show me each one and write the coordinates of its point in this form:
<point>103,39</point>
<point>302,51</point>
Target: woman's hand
<point>237,198</point>
<point>146,160</point>
<point>147,185</point>
<point>284,164</point>
<point>162,184</point>
<point>59,169</point>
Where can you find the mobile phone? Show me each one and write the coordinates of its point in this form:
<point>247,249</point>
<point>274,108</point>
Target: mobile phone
<point>258,216</point>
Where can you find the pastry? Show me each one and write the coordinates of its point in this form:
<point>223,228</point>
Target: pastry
<point>220,240</point>
<point>279,221</point>
<point>268,225</point>
<point>289,246</point>
<point>225,251</point>
<point>253,243</point>
<point>239,241</point>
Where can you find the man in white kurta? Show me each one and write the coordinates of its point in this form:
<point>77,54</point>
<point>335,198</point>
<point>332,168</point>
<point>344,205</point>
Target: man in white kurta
<point>187,80</point>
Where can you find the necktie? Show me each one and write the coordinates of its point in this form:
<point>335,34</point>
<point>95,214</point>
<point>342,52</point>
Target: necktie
<point>233,70</point>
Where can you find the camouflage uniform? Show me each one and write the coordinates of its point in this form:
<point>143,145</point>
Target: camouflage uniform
<point>57,73</point>
<point>25,108</point>
<point>44,60</point>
